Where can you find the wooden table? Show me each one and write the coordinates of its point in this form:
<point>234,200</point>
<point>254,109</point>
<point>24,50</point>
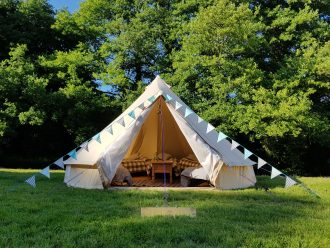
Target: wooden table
<point>158,167</point>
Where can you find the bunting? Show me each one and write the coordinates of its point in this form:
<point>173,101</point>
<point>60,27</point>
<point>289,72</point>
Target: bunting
<point>209,128</point>
<point>199,120</point>
<point>45,172</point>
<point>221,136</point>
<point>110,130</point>
<point>234,144</point>
<point>289,182</point>
<point>141,106</point>
<point>85,146</point>
<point>275,172</point>
<point>59,162</point>
<point>132,114</point>
<point>151,99</point>
<point>168,98</point>
<point>247,153</point>
<point>31,181</point>
<point>121,122</point>
<point>188,112</point>
<point>261,162</point>
<point>73,154</point>
<point>97,137</point>
<point>177,105</point>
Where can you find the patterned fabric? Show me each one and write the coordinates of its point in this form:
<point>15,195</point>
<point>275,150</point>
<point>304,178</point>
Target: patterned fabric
<point>185,163</point>
<point>138,165</point>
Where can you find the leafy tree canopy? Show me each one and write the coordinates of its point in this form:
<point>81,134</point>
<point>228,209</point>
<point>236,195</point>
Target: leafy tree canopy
<point>257,70</point>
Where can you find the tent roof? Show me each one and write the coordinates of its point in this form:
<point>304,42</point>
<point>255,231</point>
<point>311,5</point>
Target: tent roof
<point>158,87</point>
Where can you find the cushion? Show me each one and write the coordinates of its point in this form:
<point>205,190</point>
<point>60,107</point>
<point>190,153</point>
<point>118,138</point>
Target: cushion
<point>166,156</point>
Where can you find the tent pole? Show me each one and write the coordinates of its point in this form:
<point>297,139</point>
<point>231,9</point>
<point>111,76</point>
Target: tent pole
<point>161,120</point>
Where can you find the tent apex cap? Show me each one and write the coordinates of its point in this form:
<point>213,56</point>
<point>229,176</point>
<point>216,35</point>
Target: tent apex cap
<point>159,80</point>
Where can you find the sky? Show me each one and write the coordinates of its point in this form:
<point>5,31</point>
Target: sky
<point>72,5</point>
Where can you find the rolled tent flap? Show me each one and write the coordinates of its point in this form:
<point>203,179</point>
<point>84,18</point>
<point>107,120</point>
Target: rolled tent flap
<point>208,158</point>
<point>113,155</point>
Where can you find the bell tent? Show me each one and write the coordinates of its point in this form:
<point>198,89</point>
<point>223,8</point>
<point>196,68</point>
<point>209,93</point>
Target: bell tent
<point>141,129</point>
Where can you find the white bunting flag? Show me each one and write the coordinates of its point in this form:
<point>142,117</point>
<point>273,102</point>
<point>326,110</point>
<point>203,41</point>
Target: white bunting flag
<point>247,153</point>
<point>59,162</point>
<point>85,145</point>
<point>275,172</point>
<point>221,136</point>
<point>121,122</point>
<point>289,182</point>
<point>234,144</point>
<point>177,105</point>
<point>31,181</point>
<point>45,172</point>
<point>209,128</point>
<point>199,120</point>
<point>261,163</point>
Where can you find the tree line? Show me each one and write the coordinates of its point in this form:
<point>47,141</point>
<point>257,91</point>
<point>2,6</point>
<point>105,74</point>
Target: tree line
<point>257,70</point>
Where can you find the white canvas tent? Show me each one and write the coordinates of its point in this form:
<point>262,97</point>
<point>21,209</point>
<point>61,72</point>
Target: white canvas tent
<point>138,130</point>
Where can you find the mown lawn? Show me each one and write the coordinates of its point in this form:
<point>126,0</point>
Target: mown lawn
<point>53,215</point>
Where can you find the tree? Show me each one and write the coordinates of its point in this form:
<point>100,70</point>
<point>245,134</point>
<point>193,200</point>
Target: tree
<point>49,98</point>
<point>134,38</point>
<point>256,69</point>
<point>252,70</point>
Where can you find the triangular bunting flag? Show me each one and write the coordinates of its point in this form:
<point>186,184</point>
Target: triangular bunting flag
<point>31,181</point>
<point>199,120</point>
<point>109,130</point>
<point>151,99</point>
<point>45,172</point>
<point>132,114</point>
<point>289,182</point>
<point>97,137</point>
<point>247,153</point>
<point>141,106</point>
<point>59,162</point>
<point>221,136</point>
<point>188,112</point>
<point>261,163</point>
<point>121,122</point>
<point>209,128</point>
<point>85,145</point>
<point>73,154</point>
<point>168,98</point>
<point>234,144</point>
<point>275,173</point>
<point>177,105</point>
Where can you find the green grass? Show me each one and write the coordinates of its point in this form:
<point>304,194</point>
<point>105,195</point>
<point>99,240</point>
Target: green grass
<point>53,215</point>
